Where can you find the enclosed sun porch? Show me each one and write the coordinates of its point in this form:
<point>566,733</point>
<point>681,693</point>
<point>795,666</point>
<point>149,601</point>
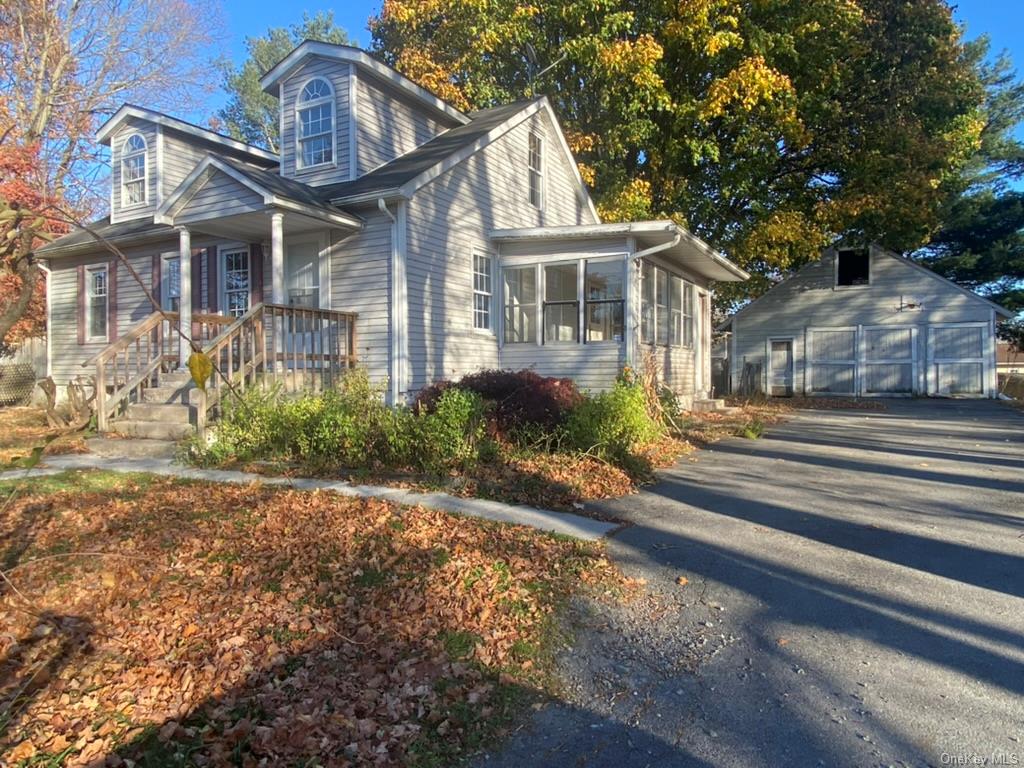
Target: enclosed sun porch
<point>585,301</point>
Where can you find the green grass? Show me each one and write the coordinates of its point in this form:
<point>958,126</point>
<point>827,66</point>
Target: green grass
<point>82,481</point>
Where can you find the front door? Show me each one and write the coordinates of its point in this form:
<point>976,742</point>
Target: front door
<point>780,368</point>
<point>237,280</point>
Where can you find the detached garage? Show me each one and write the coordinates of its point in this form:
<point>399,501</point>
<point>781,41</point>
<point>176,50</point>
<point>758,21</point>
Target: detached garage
<point>866,322</point>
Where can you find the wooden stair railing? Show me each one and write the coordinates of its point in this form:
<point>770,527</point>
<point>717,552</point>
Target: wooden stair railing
<point>274,345</point>
<point>131,363</point>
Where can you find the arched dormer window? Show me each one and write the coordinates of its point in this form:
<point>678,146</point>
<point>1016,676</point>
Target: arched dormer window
<point>315,124</point>
<point>133,171</point>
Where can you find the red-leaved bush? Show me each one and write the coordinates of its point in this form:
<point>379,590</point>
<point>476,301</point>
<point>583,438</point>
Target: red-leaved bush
<point>518,398</point>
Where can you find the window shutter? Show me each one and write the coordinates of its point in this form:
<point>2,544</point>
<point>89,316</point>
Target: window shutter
<point>197,279</point>
<point>156,288</point>
<point>112,301</point>
<point>211,278</point>
<point>81,304</point>
<point>255,274</point>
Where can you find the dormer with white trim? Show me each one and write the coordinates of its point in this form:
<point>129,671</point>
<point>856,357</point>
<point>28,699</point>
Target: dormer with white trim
<point>343,113</point>
<point>152,153</point>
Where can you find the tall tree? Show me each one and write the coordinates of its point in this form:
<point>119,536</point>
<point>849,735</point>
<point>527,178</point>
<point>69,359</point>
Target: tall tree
<point>251,115</point>
<point>65,65</point>
<point>981,241</point>
<point>769,128</point>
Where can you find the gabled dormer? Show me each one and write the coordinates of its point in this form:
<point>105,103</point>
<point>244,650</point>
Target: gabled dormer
<point>151,154</point>
<point>343,113</point>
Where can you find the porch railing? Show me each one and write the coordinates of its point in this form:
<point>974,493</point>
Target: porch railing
<point>126,367</point>
<point>273,345</point>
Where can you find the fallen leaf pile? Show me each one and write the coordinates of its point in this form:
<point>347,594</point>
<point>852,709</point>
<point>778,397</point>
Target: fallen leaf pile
<point>26,427</point>
<point>158,621</point>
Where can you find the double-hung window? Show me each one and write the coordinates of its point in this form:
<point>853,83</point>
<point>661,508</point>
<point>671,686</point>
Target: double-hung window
<point>666,308</point>
<point>96,303</point>
<point>520,304</point>
<point>315,124</point>
<point>661,305</point>
<point>603,292</point>
<point>133,171</point>
<point>561,303</point>
<point>482,291</point>
<point>536,170</point>
<point>236,281</point>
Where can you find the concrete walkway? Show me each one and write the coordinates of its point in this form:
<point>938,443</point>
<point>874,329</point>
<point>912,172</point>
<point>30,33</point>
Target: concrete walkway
<point>545,520</point>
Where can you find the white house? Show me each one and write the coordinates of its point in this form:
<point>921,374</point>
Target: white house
<point>866,321</point>
<point>393,230</point>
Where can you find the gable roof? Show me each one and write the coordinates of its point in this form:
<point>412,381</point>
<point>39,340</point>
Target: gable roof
<point>404,175</point>
<point>1000,310</point>
<point>275,190</point>
<point>126,111</point>
<point>271,81</point>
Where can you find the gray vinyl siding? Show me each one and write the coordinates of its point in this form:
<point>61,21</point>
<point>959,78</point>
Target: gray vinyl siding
<point>388,125</point>
<point>132,305</point>
<point>337,74</point>
<point>360,270</point>
<point>448,220</point>
<point>809,299</point>
<point>593,367</point>
<point>149,133</point>
<point>180,157</point>
<point>220,196</point>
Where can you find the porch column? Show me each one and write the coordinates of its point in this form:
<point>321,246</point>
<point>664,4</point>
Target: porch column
<point>185,300</point>
<point>277,258</point>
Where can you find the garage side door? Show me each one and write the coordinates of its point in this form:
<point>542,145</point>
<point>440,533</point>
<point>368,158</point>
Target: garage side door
<point>956,359</point>
<point>888,361</point>
<point>832,355</point>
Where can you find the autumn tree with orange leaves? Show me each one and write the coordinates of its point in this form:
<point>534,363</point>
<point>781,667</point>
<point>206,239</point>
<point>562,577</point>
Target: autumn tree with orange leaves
<point>768,128</point>
<point>65,66</point>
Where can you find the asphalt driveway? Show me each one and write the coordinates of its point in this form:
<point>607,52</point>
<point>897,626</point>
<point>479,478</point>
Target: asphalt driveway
<point>853,595</point>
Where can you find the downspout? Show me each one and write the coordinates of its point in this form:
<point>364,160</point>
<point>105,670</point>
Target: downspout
<point>49,311</point>
<point>399,307</point>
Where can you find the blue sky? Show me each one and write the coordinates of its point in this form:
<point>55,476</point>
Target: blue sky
<point>1002,20</point>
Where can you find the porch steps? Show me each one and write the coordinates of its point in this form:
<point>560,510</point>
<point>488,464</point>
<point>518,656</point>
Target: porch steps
<point>165,412</point>
<point>711,405</point>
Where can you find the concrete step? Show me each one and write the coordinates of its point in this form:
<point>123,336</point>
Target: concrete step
<point>166,394</point>
<point>172,413</point>
<point>175,379</point>
<point>137,448</point>
<point>708,405</point>
<point>152,430</point>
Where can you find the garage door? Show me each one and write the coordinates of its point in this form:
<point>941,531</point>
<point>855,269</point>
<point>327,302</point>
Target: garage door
<point>956,359</point>
<point>888,361</point>
<point>832,354</point>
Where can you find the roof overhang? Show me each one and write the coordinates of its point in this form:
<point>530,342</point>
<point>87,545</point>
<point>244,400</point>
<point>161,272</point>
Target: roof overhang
<point>210,165</point>
<point>146,233</point>
<point>686,248</point>
<point>270,82</point>
<point>107,130</point>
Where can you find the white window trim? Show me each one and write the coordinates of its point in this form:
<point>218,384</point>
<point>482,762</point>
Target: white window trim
<point>580,264</point>
<point>584,301</point>
<point>687,285</point>
<point>89,272</point>
<point>223,251</point>
<point>144,153</point>
<point>493,260</point>
<point>541,186</point>
<point>835,271</point>
<point>165,277</point>
<point>509,265</point>
<point>302,105</point>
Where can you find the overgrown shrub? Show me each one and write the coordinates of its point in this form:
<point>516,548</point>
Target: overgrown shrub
<point>521,400</point>
<point>611,424</point>
<point>350,427</point>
